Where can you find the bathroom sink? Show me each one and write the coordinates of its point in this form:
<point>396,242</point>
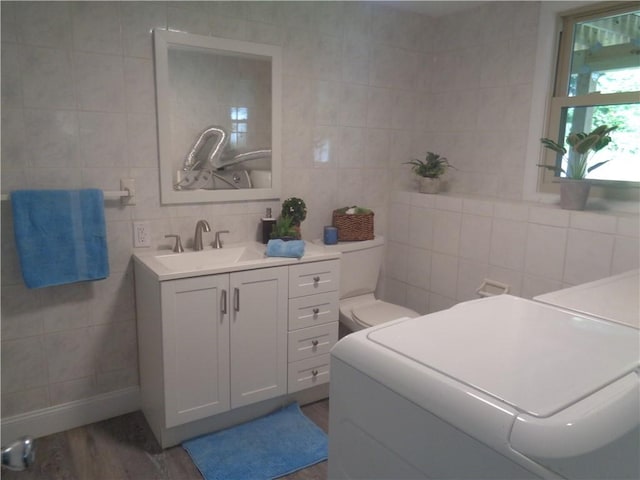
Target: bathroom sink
<point>210,258</point>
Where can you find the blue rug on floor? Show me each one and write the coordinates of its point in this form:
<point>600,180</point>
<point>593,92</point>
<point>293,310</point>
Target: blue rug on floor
<point>280,443</point>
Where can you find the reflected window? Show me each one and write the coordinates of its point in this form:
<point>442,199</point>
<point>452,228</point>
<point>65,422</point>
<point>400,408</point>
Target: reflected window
<point>239,122</point>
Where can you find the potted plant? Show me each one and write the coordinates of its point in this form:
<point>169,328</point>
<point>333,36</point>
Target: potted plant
<point>430,170</point>
<point>284,228</point>
<point>574,189</point>
<point>296,209</point>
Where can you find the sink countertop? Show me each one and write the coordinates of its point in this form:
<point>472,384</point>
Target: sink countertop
<point>151,260</point>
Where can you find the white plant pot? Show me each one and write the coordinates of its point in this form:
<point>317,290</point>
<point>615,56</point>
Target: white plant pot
<point>429,185</point>
<point>574,194</point>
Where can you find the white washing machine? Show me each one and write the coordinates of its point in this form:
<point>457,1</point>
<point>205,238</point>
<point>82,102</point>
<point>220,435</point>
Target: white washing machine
<point>615,298</point>
<point>501,387</point>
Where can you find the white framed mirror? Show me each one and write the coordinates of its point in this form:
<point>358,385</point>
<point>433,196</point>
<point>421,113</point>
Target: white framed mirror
<point>219,116</point>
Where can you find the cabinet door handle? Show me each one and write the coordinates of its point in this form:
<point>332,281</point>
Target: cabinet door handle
<point>223,302</point>
<point>316,311</point>
<point>314,373</point>
<point>314,343</point>
<point>236,299</point>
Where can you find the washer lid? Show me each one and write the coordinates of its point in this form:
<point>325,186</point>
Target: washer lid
<point>537,358</point>
<point>379,312</point>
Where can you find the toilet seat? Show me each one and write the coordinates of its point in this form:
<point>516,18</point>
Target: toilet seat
<point>377,312</point>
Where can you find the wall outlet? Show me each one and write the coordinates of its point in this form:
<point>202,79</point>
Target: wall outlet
<point>141,234</point>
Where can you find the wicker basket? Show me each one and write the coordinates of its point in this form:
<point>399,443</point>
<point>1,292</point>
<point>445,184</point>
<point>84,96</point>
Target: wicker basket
<point>353,227</point>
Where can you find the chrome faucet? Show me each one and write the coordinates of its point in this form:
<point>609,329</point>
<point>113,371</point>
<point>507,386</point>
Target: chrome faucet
<point>201,226</point>
<point>217,243</point>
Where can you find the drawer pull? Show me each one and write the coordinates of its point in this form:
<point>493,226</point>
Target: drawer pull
<point>314,343</point>
<point>316,311</point>
<point>316,280</point>
<point>314,373</point>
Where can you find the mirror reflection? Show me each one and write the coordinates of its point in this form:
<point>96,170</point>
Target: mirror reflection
<point>216,118</point>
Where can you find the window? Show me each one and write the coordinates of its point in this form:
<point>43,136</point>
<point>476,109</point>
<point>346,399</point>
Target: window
<point>598,83</point>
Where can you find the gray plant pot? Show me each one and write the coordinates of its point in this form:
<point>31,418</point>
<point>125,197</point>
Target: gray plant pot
<point>574,194</point>
<point>429,185</point>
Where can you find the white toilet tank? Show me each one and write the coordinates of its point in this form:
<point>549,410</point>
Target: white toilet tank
<point>359,266</point>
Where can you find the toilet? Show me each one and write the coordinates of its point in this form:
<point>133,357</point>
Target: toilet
<point>360,264</point>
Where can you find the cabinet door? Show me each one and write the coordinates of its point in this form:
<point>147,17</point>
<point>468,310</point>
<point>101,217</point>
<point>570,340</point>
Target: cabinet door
<point>196,348</point>
<point>258,335</point>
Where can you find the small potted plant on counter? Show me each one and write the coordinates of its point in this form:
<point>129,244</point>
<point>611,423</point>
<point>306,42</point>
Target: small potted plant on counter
<point>429,171</point>
<point>284,229</point>
<point>574,186</point>
<point>296,209</point>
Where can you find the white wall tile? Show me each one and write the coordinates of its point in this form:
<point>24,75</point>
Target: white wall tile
<point>626,254</point>
<point>11,77</point>
<point>475,238</point>
<point>545,252</point>
<point>508,243</point>
<point>47,80</point>
<point>589,256</point>
<point>100,82</point>
<point>417,299</point>
<point>418,267</point>
<point>96,27</point>
<point>593,222</point>
<point>534,286</point>
<point>446,232</point>
<point>470,276</point>
<point>44,24</point>
<point>24,401</point>
<point>444,275</point>
<point>24,364</point>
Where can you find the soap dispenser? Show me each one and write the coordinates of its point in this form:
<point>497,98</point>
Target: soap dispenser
<point>267,226</point>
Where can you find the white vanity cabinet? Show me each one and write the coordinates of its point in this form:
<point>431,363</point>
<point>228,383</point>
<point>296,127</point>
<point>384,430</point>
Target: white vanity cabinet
<point>220,347</point>
<point>215,343</point>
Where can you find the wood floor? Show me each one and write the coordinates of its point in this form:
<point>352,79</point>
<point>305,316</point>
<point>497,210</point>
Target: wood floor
<point>124,448</point>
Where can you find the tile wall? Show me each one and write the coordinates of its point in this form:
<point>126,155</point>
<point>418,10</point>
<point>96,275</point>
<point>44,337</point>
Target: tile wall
<point>365,88</point>
<point>441,247</point>
<point>78,110</point>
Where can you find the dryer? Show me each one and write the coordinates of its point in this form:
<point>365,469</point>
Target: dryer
<point>501,387</point>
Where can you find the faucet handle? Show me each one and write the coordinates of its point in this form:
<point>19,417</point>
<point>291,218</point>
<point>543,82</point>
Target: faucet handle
<point>177,248</point>
<point>217,243</point>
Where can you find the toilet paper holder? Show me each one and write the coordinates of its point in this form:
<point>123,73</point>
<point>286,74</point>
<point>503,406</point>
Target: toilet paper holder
<point>490,288</point>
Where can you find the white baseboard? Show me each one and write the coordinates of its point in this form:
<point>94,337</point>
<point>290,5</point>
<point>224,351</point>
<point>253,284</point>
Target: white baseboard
<point>59,418</point>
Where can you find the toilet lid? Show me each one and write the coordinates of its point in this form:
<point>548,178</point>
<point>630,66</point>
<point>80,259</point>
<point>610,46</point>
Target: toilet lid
<point>379,312</point>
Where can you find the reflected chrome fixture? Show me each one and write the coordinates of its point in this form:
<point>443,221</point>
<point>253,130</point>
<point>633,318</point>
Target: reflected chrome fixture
<point>217,243</point>
<point>19,455</point>
<point>205,171</point>
<point>221,140</point>
<point>201,226</point>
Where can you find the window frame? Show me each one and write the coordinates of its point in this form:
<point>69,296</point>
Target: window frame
<point>559,99</point>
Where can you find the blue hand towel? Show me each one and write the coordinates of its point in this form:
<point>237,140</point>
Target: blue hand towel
<point>280,248</point>
<point>60,236</point>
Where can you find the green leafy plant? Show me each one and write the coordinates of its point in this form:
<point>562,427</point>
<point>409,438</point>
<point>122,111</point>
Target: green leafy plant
<point>284,228</point>
<point>294,208</point>
<point>582,146</point>
<point>433,166</point>
<point>356,210</point>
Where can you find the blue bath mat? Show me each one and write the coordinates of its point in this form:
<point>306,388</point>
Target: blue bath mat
<point>270,447</point>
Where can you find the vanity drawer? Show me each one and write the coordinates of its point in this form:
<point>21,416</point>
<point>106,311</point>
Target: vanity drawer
<point>312,341</point>
<point>314,277</point>
<point>308,373</point>
<point>313,310</point>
